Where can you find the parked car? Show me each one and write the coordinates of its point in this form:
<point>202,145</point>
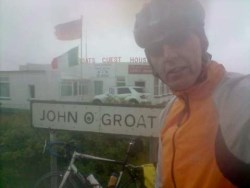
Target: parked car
<point>124,94</point>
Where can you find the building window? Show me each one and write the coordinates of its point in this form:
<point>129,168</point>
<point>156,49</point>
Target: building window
<point>120,81</point>
<point>32,93</point>
<point>156,86</point>
<point>160,88</point>
<point>140,83</point>
<point>66,88</point>
<point>4,87</point>
<point>73,88</point>
<point>81,88</point>
<point>98,87</point>
<point>163,89</point>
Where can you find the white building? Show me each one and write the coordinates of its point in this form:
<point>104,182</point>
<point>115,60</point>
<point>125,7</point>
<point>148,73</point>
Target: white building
<point>78,83</point>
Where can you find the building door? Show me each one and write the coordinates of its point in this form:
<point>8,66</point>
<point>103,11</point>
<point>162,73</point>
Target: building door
<point>32,92</point>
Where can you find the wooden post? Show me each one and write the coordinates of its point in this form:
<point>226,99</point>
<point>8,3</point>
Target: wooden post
<point>53,160</point>
<point>153,150</point>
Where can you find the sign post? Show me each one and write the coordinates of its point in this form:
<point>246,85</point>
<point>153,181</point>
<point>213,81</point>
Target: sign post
<point>53,160</point>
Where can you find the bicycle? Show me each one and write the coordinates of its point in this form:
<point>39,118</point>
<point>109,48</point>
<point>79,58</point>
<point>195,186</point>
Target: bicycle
<point>73,178</point>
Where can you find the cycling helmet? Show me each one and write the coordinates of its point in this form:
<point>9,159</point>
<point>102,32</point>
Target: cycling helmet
<point>161,19</point>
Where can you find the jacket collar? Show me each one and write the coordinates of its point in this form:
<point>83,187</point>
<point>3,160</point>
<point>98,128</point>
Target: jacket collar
<point>210,77</point>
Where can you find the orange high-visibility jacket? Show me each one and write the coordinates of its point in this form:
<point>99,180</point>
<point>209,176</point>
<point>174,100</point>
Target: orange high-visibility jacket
<point>205,136</point>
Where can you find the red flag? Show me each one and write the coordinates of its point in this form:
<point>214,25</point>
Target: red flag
<point>69,31</point>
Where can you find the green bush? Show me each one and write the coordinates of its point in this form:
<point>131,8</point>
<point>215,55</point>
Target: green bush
<point>22,161</point>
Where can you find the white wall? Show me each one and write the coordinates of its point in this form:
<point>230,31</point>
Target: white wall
<point>19,87</point>
<point>47,82</point>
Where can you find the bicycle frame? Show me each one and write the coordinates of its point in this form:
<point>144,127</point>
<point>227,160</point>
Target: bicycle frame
<point>77,155</point>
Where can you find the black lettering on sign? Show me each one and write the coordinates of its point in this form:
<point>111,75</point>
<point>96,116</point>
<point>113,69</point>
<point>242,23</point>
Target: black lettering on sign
<point>59,116</point>
<point>141,121</point>
<point>117,118</point>
<point>89,117</point>
<point>106,119</point>
<point>152,119</point>
<point>51,116</point>
<point>130,120</point>
<point>72,116</point>
<point>43,116</point>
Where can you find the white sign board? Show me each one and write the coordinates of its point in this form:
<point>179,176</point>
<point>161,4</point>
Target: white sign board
<point>125,120</point>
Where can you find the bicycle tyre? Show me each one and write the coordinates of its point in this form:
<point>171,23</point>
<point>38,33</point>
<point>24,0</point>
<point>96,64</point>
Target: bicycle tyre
<point>45,180</point>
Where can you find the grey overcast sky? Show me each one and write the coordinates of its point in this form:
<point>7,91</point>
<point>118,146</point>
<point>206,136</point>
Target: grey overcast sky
<point>27,30</point>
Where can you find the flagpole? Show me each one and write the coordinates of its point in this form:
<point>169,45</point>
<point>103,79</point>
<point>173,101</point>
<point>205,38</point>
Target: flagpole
<point>81,40</point>
<point>86,43</point>
<point>81,79</point>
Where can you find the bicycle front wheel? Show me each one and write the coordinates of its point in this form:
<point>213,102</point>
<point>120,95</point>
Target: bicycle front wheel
<point>53,179</point>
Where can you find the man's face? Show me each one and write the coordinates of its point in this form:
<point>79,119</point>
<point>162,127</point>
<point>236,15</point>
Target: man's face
<point>177,64</point>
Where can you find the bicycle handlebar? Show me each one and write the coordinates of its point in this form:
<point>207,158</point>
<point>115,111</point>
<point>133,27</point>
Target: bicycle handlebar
<point>63,149</point>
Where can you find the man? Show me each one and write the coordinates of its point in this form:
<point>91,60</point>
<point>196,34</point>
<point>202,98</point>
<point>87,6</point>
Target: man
<point>205,136</point>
